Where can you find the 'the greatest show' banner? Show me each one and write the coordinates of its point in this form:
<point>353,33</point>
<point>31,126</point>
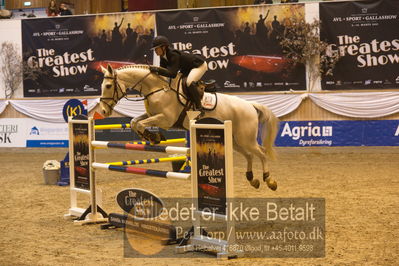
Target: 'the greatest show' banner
<point>365,34</point>
<point>239,44</point>
<point>67,52</point>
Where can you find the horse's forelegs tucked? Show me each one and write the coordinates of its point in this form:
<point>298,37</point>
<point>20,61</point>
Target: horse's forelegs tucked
<point>134,124</point>
<point>140,123</point>
<point>134,121</point>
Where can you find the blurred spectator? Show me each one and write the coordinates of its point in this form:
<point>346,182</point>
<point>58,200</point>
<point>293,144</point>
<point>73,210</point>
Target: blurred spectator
<point>260,2</point>
<point>64,10</point>
<point>52,9</point>
<point>31,15</point>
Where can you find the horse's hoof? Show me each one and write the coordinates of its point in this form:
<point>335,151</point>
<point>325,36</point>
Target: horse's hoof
<point>265,176</point>
<point>271,183</point>
<point>255,183</point>
<point>249,176</point>
<point>154,138</point>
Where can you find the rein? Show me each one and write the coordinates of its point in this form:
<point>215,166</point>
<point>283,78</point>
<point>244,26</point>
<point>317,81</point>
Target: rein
<point>124,94</point>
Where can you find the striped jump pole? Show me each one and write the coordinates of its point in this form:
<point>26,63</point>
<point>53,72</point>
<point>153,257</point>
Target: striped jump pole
<point>141,171</point>
<point>140,147</point>
<point>146,142</point>
<point>123,126</point>
<point>169,141</point>
<point>111,126</point>
<point>156,160</point>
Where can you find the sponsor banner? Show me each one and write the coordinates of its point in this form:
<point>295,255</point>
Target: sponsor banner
<point>12,132</point>
<point>74,107</point>
<point>28,132</point>
<point>211,170</point>
<point>364,33</point>
<point>66,53</point>
<point>140,203</point>
<point>338,133</point>
<point>42,134</point>
<point>239,44</point>
<point>81,155</point>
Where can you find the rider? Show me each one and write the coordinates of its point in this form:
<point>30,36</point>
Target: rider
<point>192,66</point>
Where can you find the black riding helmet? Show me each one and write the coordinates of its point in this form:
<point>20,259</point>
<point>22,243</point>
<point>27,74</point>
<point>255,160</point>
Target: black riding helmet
<point>159,41</point>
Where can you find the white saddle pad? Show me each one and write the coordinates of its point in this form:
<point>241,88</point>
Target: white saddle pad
<point>209,101</point>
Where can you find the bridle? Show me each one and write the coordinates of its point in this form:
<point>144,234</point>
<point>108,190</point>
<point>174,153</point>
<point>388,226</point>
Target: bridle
<point>117,88</point>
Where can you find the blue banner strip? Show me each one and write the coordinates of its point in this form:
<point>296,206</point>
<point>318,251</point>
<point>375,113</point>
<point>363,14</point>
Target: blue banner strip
<point>312,133</point>
<point>47,143</point>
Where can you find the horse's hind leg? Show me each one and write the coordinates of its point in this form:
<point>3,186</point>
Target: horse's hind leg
<point>249,174</point>
<point>271,183</point>
<point>248,151</point>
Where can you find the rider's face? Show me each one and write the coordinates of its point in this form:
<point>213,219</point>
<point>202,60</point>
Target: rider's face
<point>159,51</point>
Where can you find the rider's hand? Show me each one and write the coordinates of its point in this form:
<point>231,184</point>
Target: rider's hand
<point>153,69</point>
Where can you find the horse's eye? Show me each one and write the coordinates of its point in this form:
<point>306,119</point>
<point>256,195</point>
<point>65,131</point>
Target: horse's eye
<point>108,86</point>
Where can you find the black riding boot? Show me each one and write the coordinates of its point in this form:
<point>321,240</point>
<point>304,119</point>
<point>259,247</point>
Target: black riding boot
<point>195,96</point>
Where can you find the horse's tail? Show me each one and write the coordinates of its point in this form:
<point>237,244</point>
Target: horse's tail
<point>269,130</point>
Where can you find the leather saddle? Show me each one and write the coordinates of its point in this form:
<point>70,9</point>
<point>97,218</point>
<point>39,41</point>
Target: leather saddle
<point>202,86</point>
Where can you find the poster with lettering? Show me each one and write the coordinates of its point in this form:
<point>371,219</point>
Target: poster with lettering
<point>365,35</point>
<point>211,170</point>
<point>63,55</point>
<point>81,155</point>
<point>239,44</point>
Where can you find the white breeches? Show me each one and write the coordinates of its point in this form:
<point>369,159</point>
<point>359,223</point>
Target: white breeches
<point>196,73</point>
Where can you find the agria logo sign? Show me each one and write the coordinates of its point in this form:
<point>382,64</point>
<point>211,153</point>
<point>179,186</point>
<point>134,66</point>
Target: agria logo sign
<point>307,134</point>
<point>309,130</point>
<point>74,108</point>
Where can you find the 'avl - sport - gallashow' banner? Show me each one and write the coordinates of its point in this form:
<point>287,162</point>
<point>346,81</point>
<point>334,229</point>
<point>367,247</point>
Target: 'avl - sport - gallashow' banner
<point>67,53</point>
<point>365,34</point>
<point>239,44</point>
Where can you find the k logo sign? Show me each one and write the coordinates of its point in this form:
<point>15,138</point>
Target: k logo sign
<point>74,108</point>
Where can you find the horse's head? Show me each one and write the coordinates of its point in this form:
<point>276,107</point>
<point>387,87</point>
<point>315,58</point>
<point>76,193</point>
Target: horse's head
<point>134,77</point>
<point>111,91</point>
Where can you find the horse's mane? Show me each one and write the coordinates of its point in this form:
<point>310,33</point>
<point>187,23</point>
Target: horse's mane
<point>141,67</point>
<point>138,66</point>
